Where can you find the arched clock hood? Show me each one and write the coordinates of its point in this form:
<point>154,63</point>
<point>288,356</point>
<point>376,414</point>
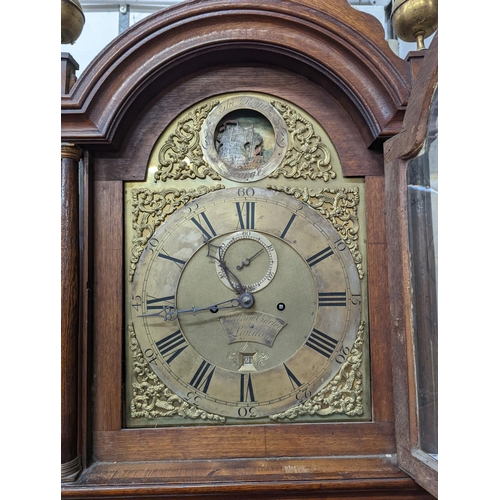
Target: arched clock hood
<point>328,42</point>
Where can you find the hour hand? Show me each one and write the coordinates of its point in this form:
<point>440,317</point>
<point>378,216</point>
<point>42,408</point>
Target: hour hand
<point>236,284</point>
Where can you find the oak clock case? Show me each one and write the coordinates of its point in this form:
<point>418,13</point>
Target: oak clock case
<point>245,298</point>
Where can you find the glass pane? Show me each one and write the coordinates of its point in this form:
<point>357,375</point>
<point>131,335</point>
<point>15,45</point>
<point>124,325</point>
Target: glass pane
<point>423,239</point>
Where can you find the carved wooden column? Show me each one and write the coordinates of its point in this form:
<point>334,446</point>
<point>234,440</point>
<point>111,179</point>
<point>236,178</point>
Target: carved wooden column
<point>70,459</point>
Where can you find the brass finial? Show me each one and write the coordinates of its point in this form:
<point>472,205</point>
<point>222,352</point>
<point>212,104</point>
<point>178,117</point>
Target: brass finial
<point>72,21</point>
<point>415,20</point>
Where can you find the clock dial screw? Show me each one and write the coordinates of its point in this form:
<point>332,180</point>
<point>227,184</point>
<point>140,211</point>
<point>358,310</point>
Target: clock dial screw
<point>246,300</point>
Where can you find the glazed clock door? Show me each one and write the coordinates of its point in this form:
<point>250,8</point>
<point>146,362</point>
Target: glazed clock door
<point>412,186</point>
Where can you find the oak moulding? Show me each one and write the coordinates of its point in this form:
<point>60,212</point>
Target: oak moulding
<point>348,51</point>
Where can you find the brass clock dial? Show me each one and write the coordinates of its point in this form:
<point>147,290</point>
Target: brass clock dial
<point>243,300</point>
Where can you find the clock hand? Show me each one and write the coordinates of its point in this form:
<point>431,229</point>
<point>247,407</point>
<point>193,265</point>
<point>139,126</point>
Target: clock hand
<point>246,262</point>
<point>169,313</point>
<point>221,305</point>
<point>236,286</point>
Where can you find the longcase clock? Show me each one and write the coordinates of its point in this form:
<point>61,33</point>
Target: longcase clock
<point>234,323</point>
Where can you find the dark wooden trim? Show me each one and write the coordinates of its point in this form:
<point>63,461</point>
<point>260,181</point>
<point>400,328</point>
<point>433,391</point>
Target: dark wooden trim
<point>336,44</point>
<point>388,489</point>
<point>415,58</point>
<point>342,477</point>
<point>70,459</point>
<point>132,160</point>
<point>381,382</point>
<point>86,308</point>
<point>68,72</point>
<point>224,442</point>
<point>108,304</point>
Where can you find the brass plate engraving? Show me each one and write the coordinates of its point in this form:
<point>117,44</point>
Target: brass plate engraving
<point>244,138</point>
<point>180,157</point>
<point>340,207</point>
<point>252,327</point>
<point>307,156</point>
<point>151,398</point>
<point>149,210</point>
<point>343,395</point>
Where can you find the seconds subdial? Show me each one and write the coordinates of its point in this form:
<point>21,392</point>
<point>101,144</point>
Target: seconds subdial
<point>251,258</point>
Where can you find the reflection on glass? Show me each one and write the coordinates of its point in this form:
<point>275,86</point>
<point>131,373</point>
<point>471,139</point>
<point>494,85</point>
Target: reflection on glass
<point>423,240</point>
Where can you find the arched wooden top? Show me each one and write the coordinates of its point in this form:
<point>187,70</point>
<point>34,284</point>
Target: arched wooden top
<point>329,42</point>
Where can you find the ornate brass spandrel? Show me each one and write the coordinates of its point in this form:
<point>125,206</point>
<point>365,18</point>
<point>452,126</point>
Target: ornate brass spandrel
<point>181,157</point>
<point>149,208</point>
<point>194,145</point>
<point>307,156</point>
<point>342,395</point>
<point>151,398</point>
<point>339,206</point>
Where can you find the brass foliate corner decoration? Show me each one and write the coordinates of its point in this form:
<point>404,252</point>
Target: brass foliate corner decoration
<point>151,398</point>
<point>307,156</point>
<point>343,394</point>
<point>150,208</point>
<point>339,206</point>
<point>181,157</point>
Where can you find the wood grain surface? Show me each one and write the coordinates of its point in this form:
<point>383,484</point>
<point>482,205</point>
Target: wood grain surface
<point>398,150</point>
